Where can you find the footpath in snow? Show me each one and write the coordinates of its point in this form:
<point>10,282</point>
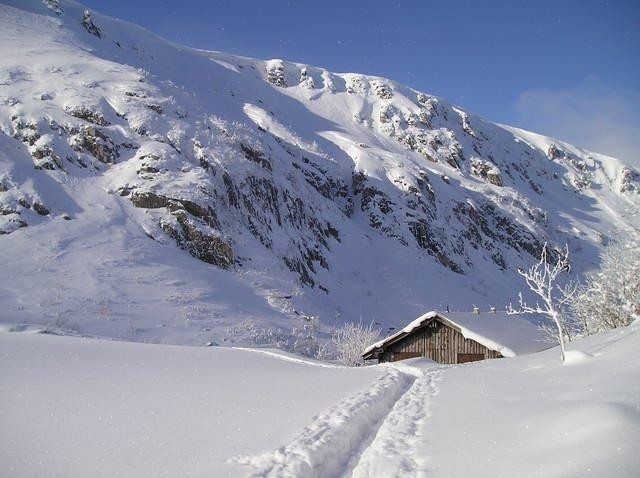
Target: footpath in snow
<point>373,433</point>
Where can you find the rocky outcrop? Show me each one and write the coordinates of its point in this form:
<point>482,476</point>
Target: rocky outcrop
<point>193,226</point>
<point>54,6</point>
<point>488,228</point>
<point>40,209</point>
<point>331,187</point>
<point>87,114</point>
<point>203,245</point>
<point>96,143</point>
<point>89,26</point>
<point>628,180</point>
<point>553,152</point>
<point>306,81</point>
<point>382,91</point>
<point>427,240</point>
<point>275,73</point>
<point>487,171</point>
<point>256,156</point>
<point>151,200</point>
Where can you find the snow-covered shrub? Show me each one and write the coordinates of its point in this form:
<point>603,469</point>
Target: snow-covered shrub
<point>324,352</point>
<point>305,336</point>
<point>351,340</point>
<point>261,336</point>
<point>301,339</point>
<point>610,298</point>
<point>61,325</point>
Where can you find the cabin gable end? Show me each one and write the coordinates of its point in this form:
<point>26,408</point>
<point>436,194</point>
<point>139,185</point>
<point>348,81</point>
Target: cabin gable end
<point>437,340</point>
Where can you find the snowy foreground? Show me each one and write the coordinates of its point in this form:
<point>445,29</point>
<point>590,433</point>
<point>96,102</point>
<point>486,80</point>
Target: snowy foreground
<point>157,193</point>
<point>81,407</point>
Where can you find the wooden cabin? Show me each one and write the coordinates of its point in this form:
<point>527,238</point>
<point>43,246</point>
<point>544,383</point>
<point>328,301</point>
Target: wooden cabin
<point>451,338</point>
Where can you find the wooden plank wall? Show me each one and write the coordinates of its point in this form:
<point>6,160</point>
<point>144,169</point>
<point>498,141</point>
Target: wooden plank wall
<point>436,341</point>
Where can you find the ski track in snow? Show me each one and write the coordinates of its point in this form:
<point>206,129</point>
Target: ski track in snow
<point>393,452</point>
<point>373,433</point>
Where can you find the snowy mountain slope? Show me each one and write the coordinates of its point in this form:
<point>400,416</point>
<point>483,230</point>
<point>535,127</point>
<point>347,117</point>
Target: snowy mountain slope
<point>164,193</point>
<point>78,407</point>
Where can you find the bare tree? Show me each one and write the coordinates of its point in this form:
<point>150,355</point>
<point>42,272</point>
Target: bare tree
<point>542,280</point>
<point>351,340</point>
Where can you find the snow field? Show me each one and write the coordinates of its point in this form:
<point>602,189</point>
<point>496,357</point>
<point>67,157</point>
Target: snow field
<point>72,407</point>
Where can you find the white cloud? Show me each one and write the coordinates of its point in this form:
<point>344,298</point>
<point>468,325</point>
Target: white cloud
<point>590,115</point>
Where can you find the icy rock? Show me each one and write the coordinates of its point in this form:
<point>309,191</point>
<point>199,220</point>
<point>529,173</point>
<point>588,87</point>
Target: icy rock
<point>275,73</point>
<point>627,180</point>
<point>87,114</point>
<point>40,209</point>
<point>205,246</point>
<point>99,145</point>
<point>54,6</point>
<point>554,152</point>
<point>87,23</point>
<point>486,170</point>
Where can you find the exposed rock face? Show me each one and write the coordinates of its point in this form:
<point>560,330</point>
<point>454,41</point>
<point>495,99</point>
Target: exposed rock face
<point>54,6</point>
<point>255,156</point>
<point>87,23</point>
<point>306,81</point>
<point>207,247</point>
<point>191,225</point>
<point>487,171</point>
<point>275,73</point>
<point>629,180</point>
<point>88,114</point>
<point>151,200</point>
<point>486,226</point>
<point>40,209</point>
<point>96,143</point>
<point>554,152</point>
<point>383,91</point>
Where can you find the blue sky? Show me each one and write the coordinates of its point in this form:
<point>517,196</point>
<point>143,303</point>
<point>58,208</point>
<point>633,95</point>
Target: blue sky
<point>568,68</point>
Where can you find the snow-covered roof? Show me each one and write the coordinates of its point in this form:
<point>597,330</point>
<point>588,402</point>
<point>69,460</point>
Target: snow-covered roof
<point>509,334</point>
